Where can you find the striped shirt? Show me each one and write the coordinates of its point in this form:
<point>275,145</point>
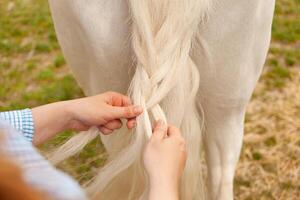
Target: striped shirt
<point>21,120</point>
<point>37,171</point>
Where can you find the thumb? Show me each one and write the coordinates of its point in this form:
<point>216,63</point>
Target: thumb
<point>125,112</point>
<point>160,130</point>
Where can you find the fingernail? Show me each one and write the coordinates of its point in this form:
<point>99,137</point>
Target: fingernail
<point>137,109</point>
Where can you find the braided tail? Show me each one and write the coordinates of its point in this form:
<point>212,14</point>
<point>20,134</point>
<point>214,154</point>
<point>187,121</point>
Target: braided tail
<point>162,36</point>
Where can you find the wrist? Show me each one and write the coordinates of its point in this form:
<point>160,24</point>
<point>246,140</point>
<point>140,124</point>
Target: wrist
<point>163,185</point>
<point>165,179</point>
<point>163,190</point>
<point>49,120</point>
<point>68,113</point>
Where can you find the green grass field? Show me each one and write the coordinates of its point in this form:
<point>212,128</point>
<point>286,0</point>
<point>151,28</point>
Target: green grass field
<point>33,72</point>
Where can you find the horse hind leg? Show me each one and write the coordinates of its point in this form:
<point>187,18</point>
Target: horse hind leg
<point>222,141</point>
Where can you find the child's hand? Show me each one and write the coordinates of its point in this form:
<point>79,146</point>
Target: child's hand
<point>164,159</point>
<point>104,111</point>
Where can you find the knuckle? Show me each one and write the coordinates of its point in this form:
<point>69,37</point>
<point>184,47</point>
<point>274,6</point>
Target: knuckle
<point>119,125</point>
<point>105,130</point>
<point>109,125</point>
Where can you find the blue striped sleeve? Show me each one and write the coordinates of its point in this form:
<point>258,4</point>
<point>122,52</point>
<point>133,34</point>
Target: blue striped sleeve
<point>21,120</point>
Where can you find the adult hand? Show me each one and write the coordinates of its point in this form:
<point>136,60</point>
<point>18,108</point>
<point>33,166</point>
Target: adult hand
<point>164,159</point>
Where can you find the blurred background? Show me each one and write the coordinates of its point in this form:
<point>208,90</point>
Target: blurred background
<point>33,72</point>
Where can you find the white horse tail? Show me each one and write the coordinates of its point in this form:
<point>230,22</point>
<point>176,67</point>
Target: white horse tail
<point>165,83</point>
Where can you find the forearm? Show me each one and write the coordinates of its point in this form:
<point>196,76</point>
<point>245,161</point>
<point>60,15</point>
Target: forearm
<point>49,120</point>
<point>103,111</point>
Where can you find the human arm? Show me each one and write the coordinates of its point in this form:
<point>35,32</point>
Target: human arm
<point>164,159</point>
<point>104,111</point>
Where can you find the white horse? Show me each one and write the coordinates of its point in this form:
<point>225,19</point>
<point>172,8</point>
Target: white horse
<point>228,44</point>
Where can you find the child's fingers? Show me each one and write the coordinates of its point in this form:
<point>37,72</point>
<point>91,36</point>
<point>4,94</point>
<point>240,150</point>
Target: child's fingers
<point>160,130</point>
<point>105,130</point>
<point>113,124</point>
<point>126,101</point>
<point>118,99</point>
<point>125,112</point>
<point>131,123</point>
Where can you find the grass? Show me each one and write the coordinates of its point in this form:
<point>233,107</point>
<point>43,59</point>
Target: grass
<point>33,72</point>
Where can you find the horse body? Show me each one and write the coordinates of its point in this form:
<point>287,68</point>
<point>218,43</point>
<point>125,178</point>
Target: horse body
<point>95,39</point>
